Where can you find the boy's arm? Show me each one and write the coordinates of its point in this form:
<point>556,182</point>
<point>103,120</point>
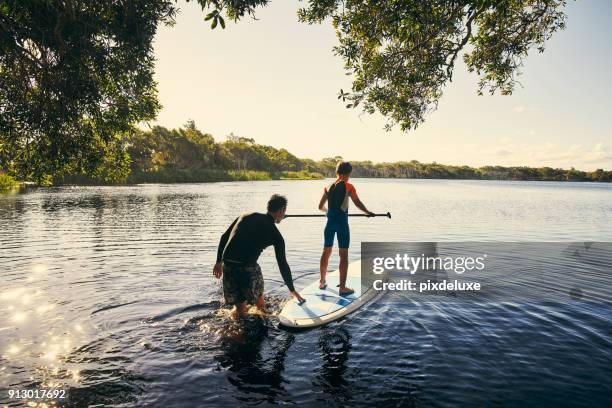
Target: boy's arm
<point>322,202</point>
<point>359,204</point>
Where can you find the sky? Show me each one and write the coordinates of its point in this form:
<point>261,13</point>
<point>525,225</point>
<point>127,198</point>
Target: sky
<point>276,80</point>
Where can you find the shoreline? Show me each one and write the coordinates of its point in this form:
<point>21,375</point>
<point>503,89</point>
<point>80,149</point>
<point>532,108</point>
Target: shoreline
<point>32,185</point>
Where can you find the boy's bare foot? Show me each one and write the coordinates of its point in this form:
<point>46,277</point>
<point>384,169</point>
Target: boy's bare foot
<point>322,285</point>
<point>345,291</point>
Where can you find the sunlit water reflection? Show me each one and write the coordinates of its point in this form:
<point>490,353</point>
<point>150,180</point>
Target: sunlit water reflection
<point>108,292</point>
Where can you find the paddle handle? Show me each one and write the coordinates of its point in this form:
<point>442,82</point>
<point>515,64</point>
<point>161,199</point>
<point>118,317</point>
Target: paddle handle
<point>388,215</point>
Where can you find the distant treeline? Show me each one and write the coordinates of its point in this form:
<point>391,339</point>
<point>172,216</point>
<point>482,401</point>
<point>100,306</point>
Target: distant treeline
<point>162,155</point>
<point>415,169</point>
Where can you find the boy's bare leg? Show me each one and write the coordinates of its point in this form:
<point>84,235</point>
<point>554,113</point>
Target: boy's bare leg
<point>323,265</point>
<point>343,270</point>
<point>240,310</point>
<point>261,304</point>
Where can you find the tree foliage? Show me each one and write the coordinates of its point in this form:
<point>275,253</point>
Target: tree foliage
<point>401,53</point>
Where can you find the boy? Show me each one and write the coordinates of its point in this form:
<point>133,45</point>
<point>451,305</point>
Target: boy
<point>336,196</point>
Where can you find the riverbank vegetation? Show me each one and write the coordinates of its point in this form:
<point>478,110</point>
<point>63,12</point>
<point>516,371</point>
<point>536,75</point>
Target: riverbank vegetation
<point>188,155</point>
<point>7,183</point>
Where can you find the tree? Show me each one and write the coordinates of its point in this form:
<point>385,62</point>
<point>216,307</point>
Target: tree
<point>76,76</point>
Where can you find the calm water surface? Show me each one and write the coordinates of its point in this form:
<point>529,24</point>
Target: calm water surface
<point>108,292</point>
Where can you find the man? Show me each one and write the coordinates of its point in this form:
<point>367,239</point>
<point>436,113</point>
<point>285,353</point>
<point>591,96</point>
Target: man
<point>239,250</point>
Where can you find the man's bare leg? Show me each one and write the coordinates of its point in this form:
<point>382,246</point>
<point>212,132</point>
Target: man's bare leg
<point>261,304</point>
<point>343,271</point>
<point>323,265</point>
<point>240,311</point>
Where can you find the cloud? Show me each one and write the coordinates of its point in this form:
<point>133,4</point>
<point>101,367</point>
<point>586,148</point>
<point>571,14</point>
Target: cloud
<point>503,153</point>
<point>579,156</point>
<point>600,153</point>
<point>599,147</point>
<point>519,108</point>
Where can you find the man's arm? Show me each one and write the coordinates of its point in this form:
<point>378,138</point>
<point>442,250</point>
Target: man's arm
<point>281,259</point>
<point>218,270</point>
<point>223,241</point>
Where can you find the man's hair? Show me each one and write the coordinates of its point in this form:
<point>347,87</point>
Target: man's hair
<point>344,168</point>
<point>276,202</point>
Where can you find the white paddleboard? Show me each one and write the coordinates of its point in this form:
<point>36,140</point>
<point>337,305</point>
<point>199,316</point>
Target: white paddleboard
<point>324,306</point>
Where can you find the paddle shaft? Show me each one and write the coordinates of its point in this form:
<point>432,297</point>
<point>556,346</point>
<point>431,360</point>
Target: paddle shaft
<point>388,215</point>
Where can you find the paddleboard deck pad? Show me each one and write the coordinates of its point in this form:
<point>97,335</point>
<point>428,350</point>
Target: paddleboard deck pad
<point>324,306</point>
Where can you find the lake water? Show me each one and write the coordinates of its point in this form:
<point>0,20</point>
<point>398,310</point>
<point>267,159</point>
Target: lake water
<point>108,292</point>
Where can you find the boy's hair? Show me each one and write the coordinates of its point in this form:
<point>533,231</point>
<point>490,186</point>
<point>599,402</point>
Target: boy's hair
<point>276,202</point>
<point>344,168</point>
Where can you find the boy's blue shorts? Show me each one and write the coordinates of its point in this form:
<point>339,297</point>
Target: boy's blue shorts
<point>337,223</point>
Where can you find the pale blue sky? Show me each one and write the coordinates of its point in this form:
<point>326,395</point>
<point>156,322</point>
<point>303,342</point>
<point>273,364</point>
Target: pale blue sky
<point>276,80</point>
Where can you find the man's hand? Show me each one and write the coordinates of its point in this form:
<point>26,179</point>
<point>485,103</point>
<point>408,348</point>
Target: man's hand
<point>297,297</point>
<point>369,214</point>
<point>218,270</point>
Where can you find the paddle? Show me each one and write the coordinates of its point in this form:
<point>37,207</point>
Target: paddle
<point>350,215</point>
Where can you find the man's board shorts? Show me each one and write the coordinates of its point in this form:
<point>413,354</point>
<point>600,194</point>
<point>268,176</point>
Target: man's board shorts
<point>242,283</point>
<point>337,224</point>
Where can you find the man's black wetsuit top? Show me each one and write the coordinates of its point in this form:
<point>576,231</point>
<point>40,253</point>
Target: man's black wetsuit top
<point>246,239</point>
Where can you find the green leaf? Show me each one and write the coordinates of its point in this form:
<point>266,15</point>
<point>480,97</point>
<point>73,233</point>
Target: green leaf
<point>214,23</point>
<point>222,22</point>
<point>209,16</point>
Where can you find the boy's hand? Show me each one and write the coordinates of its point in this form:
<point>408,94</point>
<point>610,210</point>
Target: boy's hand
<point>218,270</point>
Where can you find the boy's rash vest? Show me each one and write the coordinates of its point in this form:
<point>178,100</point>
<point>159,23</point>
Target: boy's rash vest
<point>338,194</point>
